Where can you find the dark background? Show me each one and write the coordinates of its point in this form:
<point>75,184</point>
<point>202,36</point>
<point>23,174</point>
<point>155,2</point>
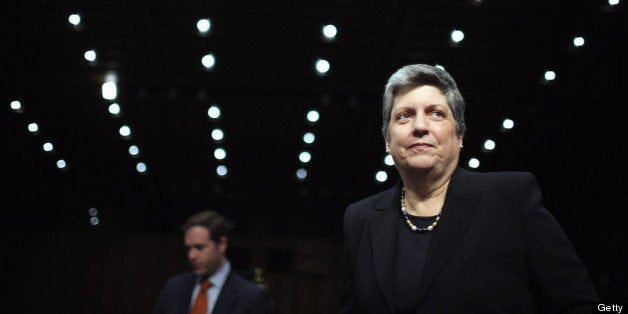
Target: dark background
<point>568,132</point>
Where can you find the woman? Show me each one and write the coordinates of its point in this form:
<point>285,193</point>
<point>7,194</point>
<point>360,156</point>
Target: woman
<point>445,240</point>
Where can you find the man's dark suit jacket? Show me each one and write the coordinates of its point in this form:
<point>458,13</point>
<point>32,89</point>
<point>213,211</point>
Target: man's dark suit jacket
<point>238,296</point>
<point>496,250</point>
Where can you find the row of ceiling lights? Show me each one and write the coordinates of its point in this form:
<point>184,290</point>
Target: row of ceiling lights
<point>308,138</point>
<point>110,93</point>
<point>33,128</point>
<point>218,135</point>
<point>329,33</point>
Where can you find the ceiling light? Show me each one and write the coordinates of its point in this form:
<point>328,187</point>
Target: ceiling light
<point>508,124</point>
<point>550,75</point>
<point>388,160</point>
<point>92,211</point>
<point>313,116</point>
<point>203,26</point>
<point>114,109</point>
<point>125,131</point>
<point>208,61</point>
<point>309,138</point>
<point>213,112</point>
<point>220,153</point>
<point>222,170</point>
<point>90,55</point>
<point>381,176</point>
<point>141,167</point>
<point>33,127</point>
<point>74,19</point>
<point>457,36</point>
<point>578,42</point>
<point>330,31</point>
<point>61,164</point>
<point>301,174</point>
<point>109,90</point>
<point>305,157</point>
<point>48,147</point>
<point>474,163</point>
<point>134,150</point>
<point>489,145</point>
<point>218,134</point>
<point>16,105</point>
<point>322,66</point>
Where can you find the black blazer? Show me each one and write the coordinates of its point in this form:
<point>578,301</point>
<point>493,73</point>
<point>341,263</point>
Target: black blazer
<point>496,250</point>
<point>238,296</point>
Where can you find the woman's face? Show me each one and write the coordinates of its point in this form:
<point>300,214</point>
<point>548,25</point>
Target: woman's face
<point>423,131</point>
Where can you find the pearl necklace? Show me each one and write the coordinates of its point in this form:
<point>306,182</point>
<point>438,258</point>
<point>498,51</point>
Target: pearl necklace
<point>409,223</point>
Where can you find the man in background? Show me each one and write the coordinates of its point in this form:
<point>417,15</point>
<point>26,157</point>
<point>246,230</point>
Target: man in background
<point>211,287</point>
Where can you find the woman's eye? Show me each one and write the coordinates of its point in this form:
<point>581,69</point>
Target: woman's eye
<point>403,115</point>
<point>438,114</point>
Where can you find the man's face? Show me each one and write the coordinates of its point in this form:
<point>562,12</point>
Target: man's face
<point>205,255</point>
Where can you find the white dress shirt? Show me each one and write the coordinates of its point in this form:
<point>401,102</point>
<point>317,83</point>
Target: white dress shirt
<point>218,281</point>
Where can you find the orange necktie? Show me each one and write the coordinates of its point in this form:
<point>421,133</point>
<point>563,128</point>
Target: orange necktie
<point>201,303</point>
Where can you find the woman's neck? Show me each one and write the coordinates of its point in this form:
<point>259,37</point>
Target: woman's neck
<point>425,196</point>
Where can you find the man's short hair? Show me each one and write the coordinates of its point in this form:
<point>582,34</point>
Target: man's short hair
<point>213,221</point>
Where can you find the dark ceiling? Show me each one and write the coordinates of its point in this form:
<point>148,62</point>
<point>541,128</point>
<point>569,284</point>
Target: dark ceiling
<point>567,132</point>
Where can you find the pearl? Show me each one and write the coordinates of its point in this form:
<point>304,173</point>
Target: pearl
<point>409,223</point>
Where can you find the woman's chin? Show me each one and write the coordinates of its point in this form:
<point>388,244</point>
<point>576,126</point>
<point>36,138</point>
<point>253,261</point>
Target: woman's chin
<point>420,163</point>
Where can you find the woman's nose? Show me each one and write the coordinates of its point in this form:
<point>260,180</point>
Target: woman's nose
<point>419,125</point>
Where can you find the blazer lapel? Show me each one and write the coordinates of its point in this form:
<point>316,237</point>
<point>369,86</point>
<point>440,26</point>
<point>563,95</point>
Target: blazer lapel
<point>383,222</point>
<point>186,293</point>
<point>227,297</point>
<point>457,212</point>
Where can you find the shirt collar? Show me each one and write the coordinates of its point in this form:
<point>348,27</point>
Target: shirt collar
<point>219,276</point>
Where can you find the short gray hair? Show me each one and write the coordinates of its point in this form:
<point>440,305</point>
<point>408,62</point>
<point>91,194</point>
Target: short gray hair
<point>416,75</point>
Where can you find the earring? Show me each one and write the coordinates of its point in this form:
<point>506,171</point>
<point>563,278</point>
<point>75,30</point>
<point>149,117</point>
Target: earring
<point>387,150</point>
<point>460,145</point>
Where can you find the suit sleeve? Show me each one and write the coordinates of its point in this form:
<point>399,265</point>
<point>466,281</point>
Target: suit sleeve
<point>558,278</point>
<point>159,306</point>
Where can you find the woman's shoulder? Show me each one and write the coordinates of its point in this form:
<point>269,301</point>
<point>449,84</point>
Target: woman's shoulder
<point>503,179</point>
<point>499,175</point>
<point>376,199</point>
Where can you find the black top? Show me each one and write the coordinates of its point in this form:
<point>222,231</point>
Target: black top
<point>410,257</point>
<point>496,249</point>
